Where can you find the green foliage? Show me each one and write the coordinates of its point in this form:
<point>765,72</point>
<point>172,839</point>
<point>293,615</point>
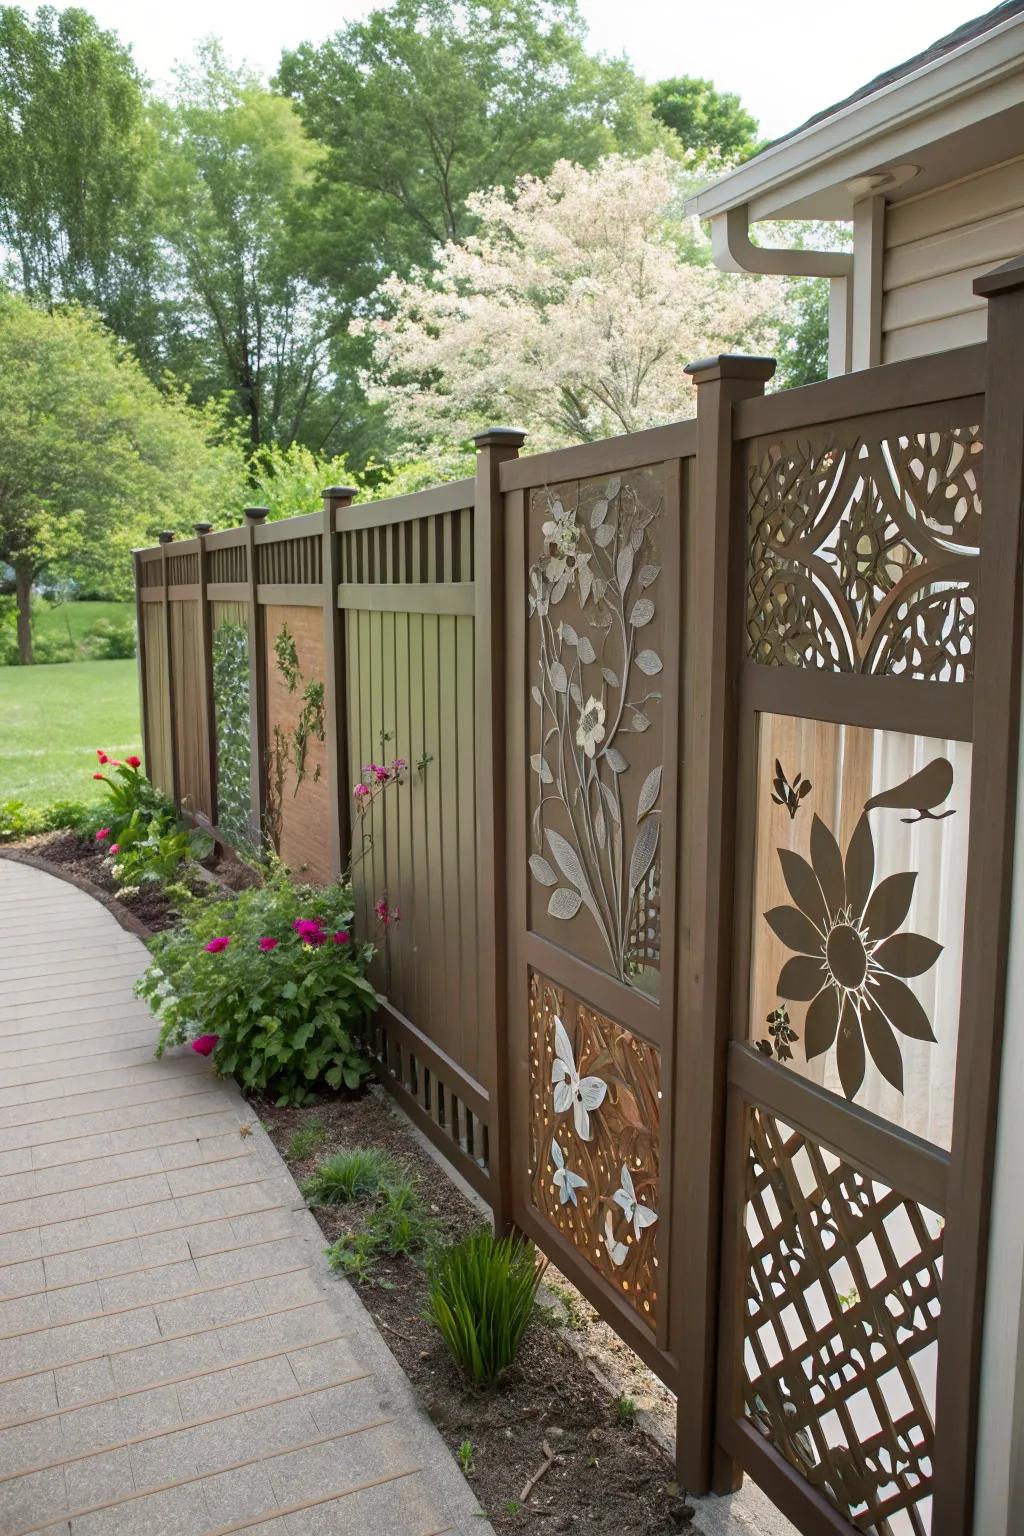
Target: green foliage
<point>309,1138</point>
<point>482,1293</point>
<point>287,657</point>
<point>285,1017</point>
<point>234,747</point>
<point>711,123</point>
<point>290,481</point>
<point>154,850</point>
<point>803,336</point>
<point>74,145</point>
<point>465,1454</point>
<point>398,1223</point>
<point>354,1174</point>
<point>110,640</point>
<point>95,457</point>
<point>18,820</point>
<point>130,799</point>
<point>52,650</point>
<point>625,1410</point>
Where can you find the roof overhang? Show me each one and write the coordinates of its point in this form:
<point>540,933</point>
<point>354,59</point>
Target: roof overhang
<point>952,116</point>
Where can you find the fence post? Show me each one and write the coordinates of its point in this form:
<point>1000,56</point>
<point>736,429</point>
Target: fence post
<point>208,744</point>
<point>165,538</point>
<point>140,661</point>
<point>494,447</point>
<point>254,518</point>
<point>336,497</point>
<point>712,627</point>
<point>990,876</point>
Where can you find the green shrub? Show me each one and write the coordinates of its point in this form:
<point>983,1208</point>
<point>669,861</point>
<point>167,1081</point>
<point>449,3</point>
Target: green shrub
<point>273,983</point>
<point>481,1297</point>
<point>354,1174</point>
<point>111,639</point>
<point>18,820</point>
<point>49,649</point>
<point>307,1139</point>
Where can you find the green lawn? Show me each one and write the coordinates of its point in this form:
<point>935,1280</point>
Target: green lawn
<point>78,617</point>
<point>52,719</point>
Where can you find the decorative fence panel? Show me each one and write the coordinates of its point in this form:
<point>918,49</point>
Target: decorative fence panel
<point>701,855</point>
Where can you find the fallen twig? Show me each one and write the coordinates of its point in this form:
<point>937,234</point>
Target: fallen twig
<point>542,1470</point>
<point>397,1331</point>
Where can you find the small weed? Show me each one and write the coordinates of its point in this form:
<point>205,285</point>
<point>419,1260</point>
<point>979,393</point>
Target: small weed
<point>575,1310</point>
<point>625,1409</point>
<point>356,1174</point>
<point>511,1506</point>
<point>466,1457</point>
<point>401,1224</point>
<point>354,1255</point>
<point>309,1138</point>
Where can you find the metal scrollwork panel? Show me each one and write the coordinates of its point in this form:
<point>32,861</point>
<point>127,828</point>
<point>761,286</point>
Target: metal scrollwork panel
<point>842,1294</point>
<point>594,1119</point>
<point>858,918</point>
<point>862,552</point>
<point>596,747</point>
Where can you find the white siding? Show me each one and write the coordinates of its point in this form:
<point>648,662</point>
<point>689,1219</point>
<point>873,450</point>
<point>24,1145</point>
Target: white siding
<point>935,246</point>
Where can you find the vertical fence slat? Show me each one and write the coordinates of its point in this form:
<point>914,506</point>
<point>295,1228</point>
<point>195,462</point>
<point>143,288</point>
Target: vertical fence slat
<point>254,518</point>
<point>174,788</point>
<point>208,725</point>
<point>140,660</point>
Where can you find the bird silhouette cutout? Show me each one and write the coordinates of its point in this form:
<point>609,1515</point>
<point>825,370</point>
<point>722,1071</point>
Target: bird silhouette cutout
<point>922,792</point>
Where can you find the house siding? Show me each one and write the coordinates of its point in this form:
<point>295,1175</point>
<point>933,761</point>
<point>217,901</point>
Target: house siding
<point>935,246</point>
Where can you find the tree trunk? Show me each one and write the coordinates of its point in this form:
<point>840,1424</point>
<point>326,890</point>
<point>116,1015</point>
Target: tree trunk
<point>23,590</point>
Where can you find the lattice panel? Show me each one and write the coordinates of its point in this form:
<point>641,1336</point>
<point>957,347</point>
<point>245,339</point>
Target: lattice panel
<point>182,570</point>
<point>438,548</point>
<point>228,564</point>
<point>842,1301</point>
<point>595,1108</point>
<point>862,553</point>
<point>295,562</point>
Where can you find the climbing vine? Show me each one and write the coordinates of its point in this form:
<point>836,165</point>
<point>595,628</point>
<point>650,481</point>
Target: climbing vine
<point>231,713</point>
<point>290,748</point>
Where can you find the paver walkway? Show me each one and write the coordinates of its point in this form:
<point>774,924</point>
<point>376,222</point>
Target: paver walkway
<point>175,1358</point>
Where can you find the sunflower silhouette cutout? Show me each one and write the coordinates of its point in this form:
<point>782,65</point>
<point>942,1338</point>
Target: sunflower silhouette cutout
<point>850,962</point>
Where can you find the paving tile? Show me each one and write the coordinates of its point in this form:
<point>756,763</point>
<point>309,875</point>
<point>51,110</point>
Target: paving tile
<point>27,1395</point>
<point>26,1502</point>
<point>403,1505</point>
<point>233,1495</point>
<point>178,1512</point>
<point>94,1479</point>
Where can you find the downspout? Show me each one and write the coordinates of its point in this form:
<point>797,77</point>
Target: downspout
<point>733,251</point>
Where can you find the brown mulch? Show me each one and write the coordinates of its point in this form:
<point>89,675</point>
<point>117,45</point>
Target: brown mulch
<point>607,1477</point>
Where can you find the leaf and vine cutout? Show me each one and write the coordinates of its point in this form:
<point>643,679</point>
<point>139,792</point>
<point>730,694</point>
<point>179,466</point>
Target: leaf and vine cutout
<point>596,830</point>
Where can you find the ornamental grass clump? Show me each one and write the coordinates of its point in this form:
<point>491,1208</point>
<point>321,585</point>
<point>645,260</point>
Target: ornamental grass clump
<point>481,1297</point>
<point>282,1016</point>
<point>354,1174</point>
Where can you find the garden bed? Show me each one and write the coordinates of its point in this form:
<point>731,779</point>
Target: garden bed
<point>608,1475</point>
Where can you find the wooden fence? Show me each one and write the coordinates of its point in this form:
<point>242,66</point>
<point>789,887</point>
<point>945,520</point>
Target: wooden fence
<point>702,852</point>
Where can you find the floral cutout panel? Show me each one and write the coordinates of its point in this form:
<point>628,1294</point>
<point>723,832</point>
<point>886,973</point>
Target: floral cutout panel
<point>863,550</point>
<point>858,917</point>
<point>596,747</point>
<point>594,1118</point>
<point>842,1299</point>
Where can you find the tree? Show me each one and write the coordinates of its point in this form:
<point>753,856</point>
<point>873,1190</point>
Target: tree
<point>93,456</point>
<point>234,161</point>
<point>572,312</point>
<point>711,123</point>
<point>427,101</point>
<point>73,149</point>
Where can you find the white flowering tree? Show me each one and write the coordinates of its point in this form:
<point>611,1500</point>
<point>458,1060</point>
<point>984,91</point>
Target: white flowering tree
<point>572,311</point>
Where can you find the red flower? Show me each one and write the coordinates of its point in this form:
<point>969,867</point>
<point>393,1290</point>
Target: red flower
<point>307,929</point>
<point>204,1044</point>
<point>214,948</point>
<point>269,943</point>
<point>97,775</point>
<point>341,937</point>
<point>104,832</point>
<point>115,847</point>
<point>102,755</point>
<point>134,762</point>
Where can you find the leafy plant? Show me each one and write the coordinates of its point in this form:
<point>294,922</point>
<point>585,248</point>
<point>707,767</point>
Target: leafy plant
<point>154,851</point>
<point>353,1174</point>
<point>287,657</point>
<point>271,983</point>
<point>481,1297</point>
<point>110,639</point>
<point>18,820</point>
<point>466,1457</point>
<point>625,1409</point>
<point>129,794</point>
<point>306,1140</point>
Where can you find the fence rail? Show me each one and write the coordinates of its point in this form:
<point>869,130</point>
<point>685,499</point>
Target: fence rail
<point>709,732</point>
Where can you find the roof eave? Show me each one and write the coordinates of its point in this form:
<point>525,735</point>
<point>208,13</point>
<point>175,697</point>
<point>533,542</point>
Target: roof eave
<point>957,77</point>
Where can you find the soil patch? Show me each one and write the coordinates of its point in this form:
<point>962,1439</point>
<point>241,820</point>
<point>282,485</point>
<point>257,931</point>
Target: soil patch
<point>608,1475</point>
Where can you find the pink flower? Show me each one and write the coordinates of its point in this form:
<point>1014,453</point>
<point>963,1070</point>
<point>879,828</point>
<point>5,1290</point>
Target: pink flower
<point>269,943</point>
<point>386,914</point>
<point>381,775</point>
<point>102,834</point>
<point>359,791</point>
<point>214,948</point>
<point>341,937</point>
<point>134,762</point>
<point>307,927</point>
<point>399,766</point>
<point>102,755</point>
<point>314,940</point>
<point>114,762</point>
<point>115,847</point>
<point>204,1044</point>
<point>97,775</point>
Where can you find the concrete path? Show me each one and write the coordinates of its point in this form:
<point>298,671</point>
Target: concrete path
<point>175,1358</point>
